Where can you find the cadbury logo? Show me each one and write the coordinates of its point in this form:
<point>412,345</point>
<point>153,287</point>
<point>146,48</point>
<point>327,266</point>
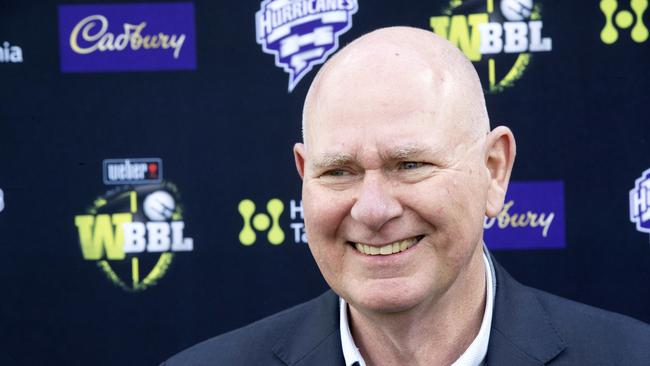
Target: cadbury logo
<point>93,30</point>
<point>127,37</point>
<point>506,219</point>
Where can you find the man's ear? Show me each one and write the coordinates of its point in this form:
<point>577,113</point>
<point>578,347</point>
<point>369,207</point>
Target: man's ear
<point>299,156</point>
<point>499,157</point>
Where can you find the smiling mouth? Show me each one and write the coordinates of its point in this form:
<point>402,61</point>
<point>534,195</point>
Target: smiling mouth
<point>388,249</point>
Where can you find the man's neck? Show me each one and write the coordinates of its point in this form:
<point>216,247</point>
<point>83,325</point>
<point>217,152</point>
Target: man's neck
<point>436,332</point>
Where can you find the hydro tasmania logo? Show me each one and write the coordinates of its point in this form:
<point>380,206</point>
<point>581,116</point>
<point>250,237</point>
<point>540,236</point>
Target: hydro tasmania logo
<point>302,33</point>
<point>133,231</point>
<point>127,37</point>
<point>640,203</point>
<point>10,53</point>
<point>254,223</point>
<point>499,36</point>
<point>623,20</point>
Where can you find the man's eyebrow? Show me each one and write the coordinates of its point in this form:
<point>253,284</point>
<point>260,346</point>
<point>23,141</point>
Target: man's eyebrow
<point>330,160</point>
<point>333,160</point>
<point>405,152</point>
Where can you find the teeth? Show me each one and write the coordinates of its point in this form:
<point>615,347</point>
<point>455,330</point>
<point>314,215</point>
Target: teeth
<point>396,247</point>
<point>403,245</point>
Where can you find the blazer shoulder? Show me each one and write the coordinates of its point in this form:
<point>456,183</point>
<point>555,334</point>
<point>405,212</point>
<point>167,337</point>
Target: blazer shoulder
<point>541,328</point>
<point>253,343</point>
<point>601,334</point>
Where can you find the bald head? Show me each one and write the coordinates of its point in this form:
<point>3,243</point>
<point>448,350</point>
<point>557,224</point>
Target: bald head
<point>399,65</point>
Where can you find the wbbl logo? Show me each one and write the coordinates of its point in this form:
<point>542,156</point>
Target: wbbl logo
<point>500,36</point>
<point>302,33</point>
<point>133,231</point>
<point>640,203</point>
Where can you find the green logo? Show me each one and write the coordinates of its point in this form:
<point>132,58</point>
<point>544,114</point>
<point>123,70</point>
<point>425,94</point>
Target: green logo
<point>623,20</point>
<point>261,222</point>
<point>498,36</point>
<point>133,232</point>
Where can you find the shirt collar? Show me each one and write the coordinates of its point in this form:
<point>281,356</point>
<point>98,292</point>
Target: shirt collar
<point>351,353</point>
<point>473,355</point>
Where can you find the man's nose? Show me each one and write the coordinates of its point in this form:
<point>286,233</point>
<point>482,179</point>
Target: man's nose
<point>375,204</point>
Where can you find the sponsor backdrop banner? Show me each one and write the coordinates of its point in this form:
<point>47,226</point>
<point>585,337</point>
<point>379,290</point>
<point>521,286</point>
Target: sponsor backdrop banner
<point>127,37</point>
<point>148,195</point>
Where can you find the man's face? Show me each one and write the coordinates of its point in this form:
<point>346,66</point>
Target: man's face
<point>392,172</point>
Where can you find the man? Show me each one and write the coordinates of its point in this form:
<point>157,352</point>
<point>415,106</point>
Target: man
<point>399,169</point>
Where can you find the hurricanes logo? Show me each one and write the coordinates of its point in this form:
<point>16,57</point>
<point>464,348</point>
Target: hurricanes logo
<point>302,33</point>
<point>623,20</point>
<point>500,37</point>
<point>640,203</point>
<point>132,232</point>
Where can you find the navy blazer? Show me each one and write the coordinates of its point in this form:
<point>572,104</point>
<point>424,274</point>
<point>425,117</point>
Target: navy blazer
<point>529,327</point>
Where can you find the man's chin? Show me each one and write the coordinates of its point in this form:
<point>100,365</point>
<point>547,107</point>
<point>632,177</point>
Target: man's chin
<point>386,301</point>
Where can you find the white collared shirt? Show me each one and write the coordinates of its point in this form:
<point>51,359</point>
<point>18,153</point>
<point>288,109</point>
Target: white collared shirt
<point>473,355</point>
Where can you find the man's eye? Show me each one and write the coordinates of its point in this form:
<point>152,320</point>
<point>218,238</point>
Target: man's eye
<point>410,165</point>
<point>335,173</point>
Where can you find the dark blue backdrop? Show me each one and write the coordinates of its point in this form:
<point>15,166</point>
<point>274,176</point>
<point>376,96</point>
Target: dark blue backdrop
<point>224,128</point>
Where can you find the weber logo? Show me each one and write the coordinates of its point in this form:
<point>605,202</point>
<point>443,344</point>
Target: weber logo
<point>133,171</point>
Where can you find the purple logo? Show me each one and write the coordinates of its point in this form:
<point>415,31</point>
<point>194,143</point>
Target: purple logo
<point>127,37</point>
<point>640,203</point>
<point>532,218</point>
<point>302,33</point>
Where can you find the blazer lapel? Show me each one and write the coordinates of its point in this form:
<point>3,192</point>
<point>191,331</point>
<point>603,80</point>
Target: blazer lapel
<point>522,332</point>
<point>313,339</point>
